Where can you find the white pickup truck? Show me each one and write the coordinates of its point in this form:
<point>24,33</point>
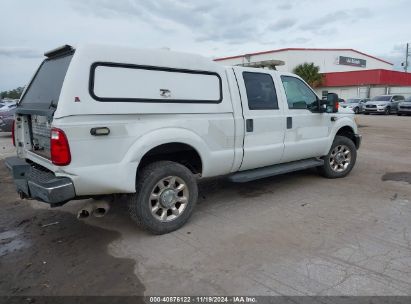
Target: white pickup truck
<point>100,120</point>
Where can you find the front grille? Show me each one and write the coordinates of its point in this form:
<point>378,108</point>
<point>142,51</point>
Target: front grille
<point>405,107</point>
<point>371,106</point>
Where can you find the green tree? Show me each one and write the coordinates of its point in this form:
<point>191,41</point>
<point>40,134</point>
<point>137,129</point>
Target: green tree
<point>310,73</point>
<point>12,94</point>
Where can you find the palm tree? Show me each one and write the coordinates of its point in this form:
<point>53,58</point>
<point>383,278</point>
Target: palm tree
<point>310,73</point>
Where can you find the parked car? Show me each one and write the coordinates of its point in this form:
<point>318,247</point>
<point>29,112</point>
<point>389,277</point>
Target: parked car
<point>355,104</point>
<point>150,123</point>
<point>404,107</point>
<point>7,106</point>
<point>385,104</point>
<point>7,119</point>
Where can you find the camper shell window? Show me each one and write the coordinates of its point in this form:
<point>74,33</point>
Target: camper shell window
<point>117,82</point>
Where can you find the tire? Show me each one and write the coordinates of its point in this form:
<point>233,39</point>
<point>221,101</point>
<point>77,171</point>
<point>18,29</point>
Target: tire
<point>155,196</point>
<point>387,111</point>
<point>329,169</point>
<point>356,110</point>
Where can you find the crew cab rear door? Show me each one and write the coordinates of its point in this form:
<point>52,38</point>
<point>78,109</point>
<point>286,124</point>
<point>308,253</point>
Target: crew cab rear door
<point>264,120</point>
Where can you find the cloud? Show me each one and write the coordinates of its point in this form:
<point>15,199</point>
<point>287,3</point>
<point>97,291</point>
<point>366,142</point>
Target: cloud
<point>399,49</point>
<point>396,56</point>
<point>341,16</point>
<point>285,6</point>
<point>20,52</point>
<point>211,28</point>
<point>282,24</point>
<point>230,22</point>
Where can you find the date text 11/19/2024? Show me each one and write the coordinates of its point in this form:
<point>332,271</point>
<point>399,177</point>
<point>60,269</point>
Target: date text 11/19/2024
<point>203,299</point>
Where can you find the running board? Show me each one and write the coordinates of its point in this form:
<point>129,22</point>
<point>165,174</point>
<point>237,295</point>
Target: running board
<point>253,174</point>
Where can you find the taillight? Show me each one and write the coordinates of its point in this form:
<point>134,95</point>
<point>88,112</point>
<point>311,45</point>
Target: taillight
<point>13,126</point>
<point>59,148</point>
<point>336,106</point>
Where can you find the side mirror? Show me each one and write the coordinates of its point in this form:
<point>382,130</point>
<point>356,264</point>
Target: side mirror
<point>332,103</point>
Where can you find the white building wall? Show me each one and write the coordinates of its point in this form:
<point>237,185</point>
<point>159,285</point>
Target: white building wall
<point>405,91</point>
<point>362,91</point>
<point>327,60</point>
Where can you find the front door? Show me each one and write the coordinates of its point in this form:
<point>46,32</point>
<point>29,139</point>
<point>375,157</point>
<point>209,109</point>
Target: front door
<point>264,121</point>
<point>308,131</point>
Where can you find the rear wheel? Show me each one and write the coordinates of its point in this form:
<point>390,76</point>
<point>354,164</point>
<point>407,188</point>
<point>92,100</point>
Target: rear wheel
<point>341,158</point>
<point>166,194</point>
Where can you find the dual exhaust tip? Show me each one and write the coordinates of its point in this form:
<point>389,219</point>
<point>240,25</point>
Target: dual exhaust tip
<point>95,208</point>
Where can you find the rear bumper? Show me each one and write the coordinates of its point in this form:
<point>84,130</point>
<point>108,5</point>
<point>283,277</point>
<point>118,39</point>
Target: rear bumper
<point>40,184</point>
<point>357,140</point>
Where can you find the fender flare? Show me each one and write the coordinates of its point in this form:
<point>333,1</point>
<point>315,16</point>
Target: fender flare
<point>162,136</point>
<point>344,122</point>
<point>339,124</point>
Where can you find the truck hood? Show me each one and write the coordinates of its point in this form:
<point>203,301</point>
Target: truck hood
<point>345,110</point>
<point>346,105</point>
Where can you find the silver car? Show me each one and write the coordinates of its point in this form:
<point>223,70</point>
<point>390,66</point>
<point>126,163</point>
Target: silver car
<point>384,104</point>
<point>354,104</point>
<point>404,107</point>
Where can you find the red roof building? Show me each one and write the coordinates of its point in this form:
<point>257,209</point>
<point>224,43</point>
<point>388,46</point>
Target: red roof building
<point>347,72</point>
<point>367,77</point>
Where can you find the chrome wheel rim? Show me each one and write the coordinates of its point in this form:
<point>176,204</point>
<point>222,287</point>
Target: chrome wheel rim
<point>168,199</point>
<point>340,158</point>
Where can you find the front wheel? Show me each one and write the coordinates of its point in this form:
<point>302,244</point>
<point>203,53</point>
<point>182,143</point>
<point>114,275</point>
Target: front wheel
<point>341,158</point>
<point>356,110</point>
<point>387,111</point>
<point>166,194</point>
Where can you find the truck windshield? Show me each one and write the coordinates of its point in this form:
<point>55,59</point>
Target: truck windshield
<point>46,86</point>
<point>381,98</point>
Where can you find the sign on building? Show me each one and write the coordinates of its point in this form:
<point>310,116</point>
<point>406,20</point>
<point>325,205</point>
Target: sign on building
<point>352,61</point>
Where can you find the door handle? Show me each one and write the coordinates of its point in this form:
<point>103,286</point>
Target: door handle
<point>289,122</point>
<point>249,125</point>
<point>101,131</point>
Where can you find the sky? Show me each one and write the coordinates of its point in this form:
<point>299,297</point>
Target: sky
<point>213,28</point>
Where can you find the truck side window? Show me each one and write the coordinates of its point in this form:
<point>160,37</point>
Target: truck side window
<point>260,89</point>
<point>299,95</point>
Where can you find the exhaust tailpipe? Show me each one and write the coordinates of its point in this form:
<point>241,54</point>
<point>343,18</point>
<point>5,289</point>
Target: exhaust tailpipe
<point>101,208</point>
<point>96,208</point>
<point>86,211</point>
